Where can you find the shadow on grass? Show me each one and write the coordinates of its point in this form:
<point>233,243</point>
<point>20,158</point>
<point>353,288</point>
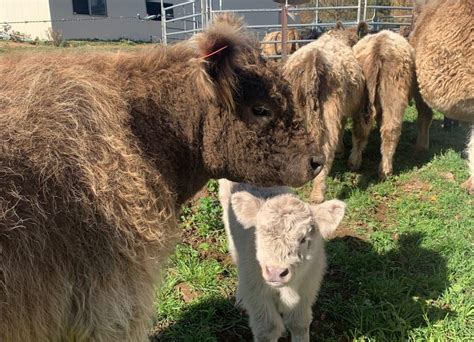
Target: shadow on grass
<point>382,295</point>
<point>213,319</point>
<point>406,156</point>
<point>366,292</point>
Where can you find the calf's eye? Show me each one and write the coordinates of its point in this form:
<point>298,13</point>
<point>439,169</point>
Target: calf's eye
<point>303,240</point>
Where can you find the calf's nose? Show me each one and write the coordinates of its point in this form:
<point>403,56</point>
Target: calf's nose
<point>277,274</point>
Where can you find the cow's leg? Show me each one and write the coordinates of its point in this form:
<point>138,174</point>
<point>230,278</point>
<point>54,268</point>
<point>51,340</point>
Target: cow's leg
<point>264,318</point>
<point>298,322</point>
<point>390,131</point>
<point>319,183</point>
<point>360,135</point>
<point>340,143</point>
<point>332,136</point>
<point>424,119</point>
<point>469,184</point>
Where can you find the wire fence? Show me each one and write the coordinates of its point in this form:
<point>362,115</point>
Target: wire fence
<point>309,17</point>
<point>191,16</point>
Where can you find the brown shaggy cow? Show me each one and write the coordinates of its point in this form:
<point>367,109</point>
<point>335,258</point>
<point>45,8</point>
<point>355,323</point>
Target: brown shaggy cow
<point>388,62</point>
<point>443,39</point>
<point>99,151</point>
<point>329,87</point>
<point>274,49</point>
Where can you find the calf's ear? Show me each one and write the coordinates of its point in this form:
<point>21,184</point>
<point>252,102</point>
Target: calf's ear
<point>328,215</point>
<point>223,47</point>
<point>246,207</point>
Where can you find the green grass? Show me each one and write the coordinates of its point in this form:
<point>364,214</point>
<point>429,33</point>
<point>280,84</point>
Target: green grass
<point>401,267</point>
<point>70,45</point>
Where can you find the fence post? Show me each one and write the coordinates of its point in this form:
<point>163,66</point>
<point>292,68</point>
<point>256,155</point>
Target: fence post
<point>284,31</point>
<point>316,16</point>
<point>164,40</point>
<point>203,13</point>
<point>359,10</point>
<point>210,15</point>
<point>194,18</point>
<point>365,10</point>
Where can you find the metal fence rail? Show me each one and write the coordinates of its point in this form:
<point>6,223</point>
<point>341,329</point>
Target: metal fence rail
<point>202,12</point>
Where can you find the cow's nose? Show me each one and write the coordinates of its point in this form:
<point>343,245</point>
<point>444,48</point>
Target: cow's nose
<point>316,164</point>
<point>278,274</point>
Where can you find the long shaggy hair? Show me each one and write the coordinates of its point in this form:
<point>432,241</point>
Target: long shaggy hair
<point>388,62</point>
<point>274,49</point>
<point>100,150</point>
<point>328,86</point>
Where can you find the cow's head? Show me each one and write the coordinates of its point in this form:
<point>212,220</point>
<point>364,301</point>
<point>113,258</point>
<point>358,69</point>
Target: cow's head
<point>288,232</point>
<point>251,133</point>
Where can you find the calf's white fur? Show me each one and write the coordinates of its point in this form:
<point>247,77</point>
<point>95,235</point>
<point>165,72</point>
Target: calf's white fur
<point>276,240</point>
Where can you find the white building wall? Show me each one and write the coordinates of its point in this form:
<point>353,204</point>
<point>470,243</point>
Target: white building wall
<point>105,28</point>
<point>27,10</point>
<point>59,15</point>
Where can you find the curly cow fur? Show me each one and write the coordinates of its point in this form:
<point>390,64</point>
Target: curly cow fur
<point>270,48</point>
<point>328,86</point>
<point>388,62</point>
<point>97,153</point>
<point>443,39</point>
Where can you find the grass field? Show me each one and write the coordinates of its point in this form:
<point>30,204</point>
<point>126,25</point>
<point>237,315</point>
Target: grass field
<point>80,46</point>
<point>401,267</point>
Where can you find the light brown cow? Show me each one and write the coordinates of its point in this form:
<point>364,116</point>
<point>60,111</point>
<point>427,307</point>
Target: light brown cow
<point>274,49</point>
<point>388,62</point>
<point>329,87</point>
<point>444,44</point>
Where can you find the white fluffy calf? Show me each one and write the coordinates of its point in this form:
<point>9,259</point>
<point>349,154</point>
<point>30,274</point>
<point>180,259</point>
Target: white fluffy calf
<point>276,240</point>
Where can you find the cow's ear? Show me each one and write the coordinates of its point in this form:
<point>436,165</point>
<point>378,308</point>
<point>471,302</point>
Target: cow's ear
<point>328,215</point>
<point>339,25</point>
<point>223,47</point>
<point>362,29</point>
<point>246,207</point>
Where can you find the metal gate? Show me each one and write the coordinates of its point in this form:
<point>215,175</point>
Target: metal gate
<point>194,15</point>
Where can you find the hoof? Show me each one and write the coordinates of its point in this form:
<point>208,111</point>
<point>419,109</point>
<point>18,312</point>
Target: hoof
<point>316,198</point>
<point>353,166</point>
<point>421,147</point>
<point>384,174</point>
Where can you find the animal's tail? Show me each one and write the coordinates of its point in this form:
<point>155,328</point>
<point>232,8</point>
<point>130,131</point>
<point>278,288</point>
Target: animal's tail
<point>373,69</point>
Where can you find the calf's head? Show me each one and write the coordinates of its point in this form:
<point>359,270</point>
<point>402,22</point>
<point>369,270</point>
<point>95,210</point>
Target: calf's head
<point>288,231</point>
<point>250,133</point>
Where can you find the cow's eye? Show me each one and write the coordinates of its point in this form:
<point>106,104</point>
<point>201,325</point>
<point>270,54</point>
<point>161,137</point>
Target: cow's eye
<point>303,240</point>
<point>261,111</point>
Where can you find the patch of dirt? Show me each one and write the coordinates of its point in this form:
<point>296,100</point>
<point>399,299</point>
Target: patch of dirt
<point>192,238</point>
<point>448,176</point>
<point>200,194</point>
<point>186,292</point>
<point>355,229</point>
<point>234,335</point>
<point>415,186</point>
<point>381,212</point>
